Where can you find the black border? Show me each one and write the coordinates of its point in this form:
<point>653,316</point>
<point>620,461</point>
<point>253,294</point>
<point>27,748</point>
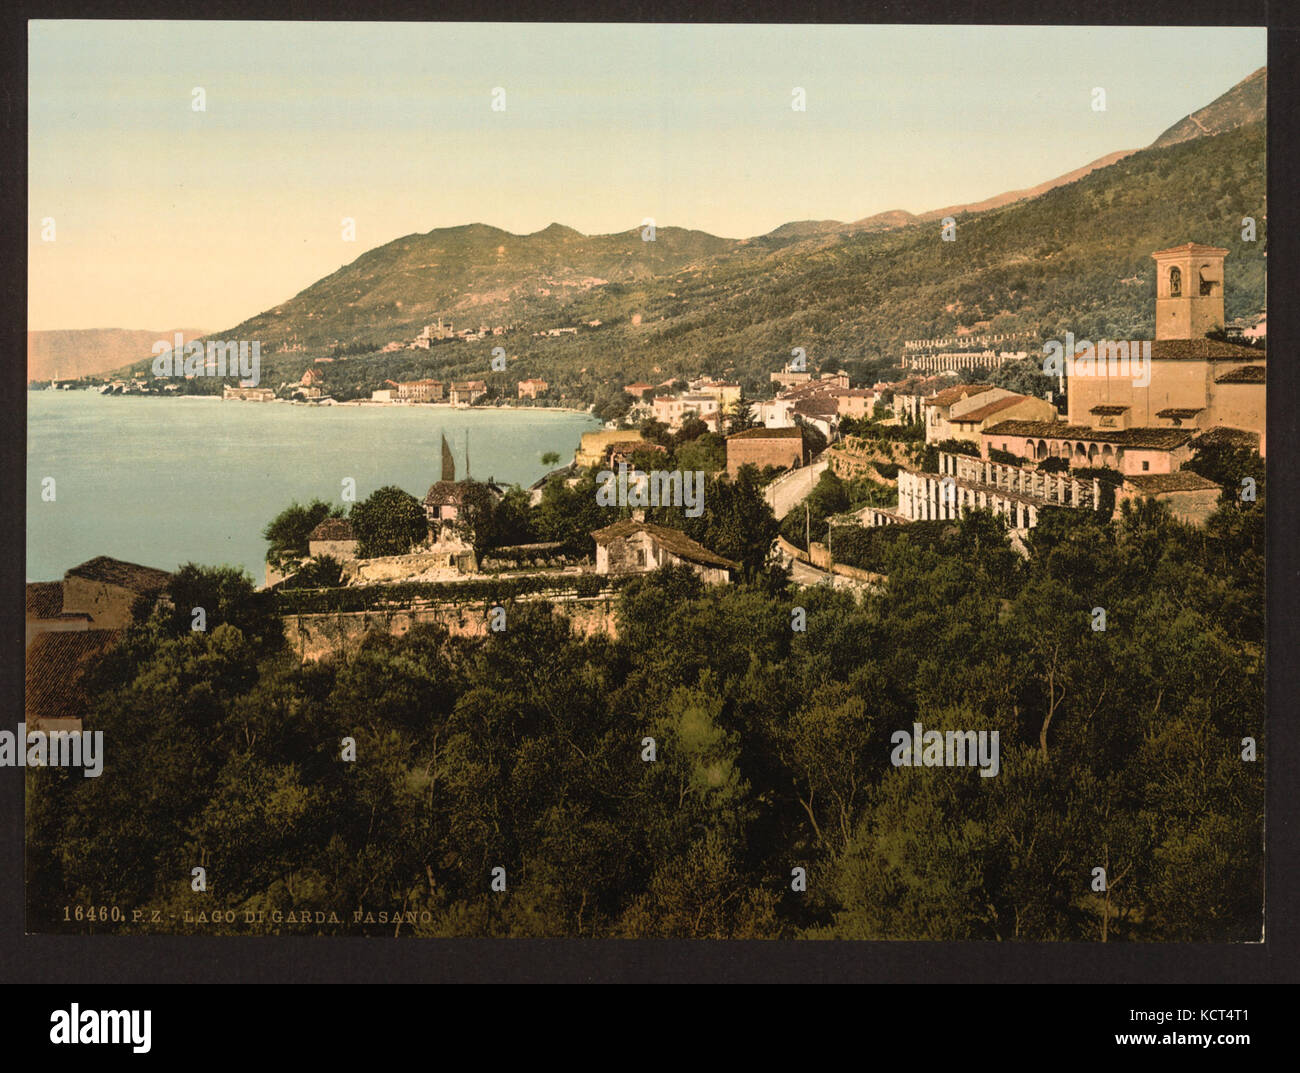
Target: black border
<point>166,959</point>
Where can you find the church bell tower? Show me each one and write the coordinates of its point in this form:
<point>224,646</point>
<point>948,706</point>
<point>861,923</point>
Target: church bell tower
<point>1189,290</point>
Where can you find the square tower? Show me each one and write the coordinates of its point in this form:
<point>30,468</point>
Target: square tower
<point>1189,290</point>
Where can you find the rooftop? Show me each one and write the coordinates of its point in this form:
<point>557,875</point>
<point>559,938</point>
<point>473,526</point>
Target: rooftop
<point>55,665</point>
<point>333,529</point>
<point>948,396</point>
<point>137,578</point>
<point>1203,350</point>
<point>1243,374</point>
<point>1162,439</point>
<point>997,406</point>
<point>674,540</point>
<point>791,433</point>
<point>1182,480</point>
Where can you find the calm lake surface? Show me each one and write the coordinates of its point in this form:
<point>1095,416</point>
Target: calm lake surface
<point>168,481</point>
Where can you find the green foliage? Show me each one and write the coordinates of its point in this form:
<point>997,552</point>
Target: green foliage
<point>525,749</point>
<point>287,532</point>
<point>388,522</point>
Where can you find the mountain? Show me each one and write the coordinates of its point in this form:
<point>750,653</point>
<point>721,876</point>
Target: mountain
<point>1073,253</point>
<point>90,351</point>
<point>1245,103</point>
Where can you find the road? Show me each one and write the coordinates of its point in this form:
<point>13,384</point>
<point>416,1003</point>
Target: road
<point>787,492</point>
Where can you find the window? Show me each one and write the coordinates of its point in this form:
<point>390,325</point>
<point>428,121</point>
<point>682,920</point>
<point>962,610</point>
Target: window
<point>640,552</point>
<point>1175,282</point>
<point>1146,466</point>
<point>1207,285</point>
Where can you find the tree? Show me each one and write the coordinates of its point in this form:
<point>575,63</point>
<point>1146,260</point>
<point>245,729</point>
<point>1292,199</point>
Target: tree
<point>742,415</point>
<point>388,522</point>
<point>287,532</point>
<point>550,458</point>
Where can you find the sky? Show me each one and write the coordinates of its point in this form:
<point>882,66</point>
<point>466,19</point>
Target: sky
<point>166,217</point>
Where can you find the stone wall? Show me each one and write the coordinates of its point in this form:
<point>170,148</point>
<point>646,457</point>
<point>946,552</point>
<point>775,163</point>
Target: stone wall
<point>316,636</point>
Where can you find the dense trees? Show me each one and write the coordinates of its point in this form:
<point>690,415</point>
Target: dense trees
<point>529,750</point>
<point>388,522</point>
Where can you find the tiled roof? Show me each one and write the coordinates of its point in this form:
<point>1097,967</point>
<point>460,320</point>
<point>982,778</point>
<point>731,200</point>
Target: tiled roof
<point>955,394</point>
<point>1203,350</point>
<point>333,529</point>
<point>44,599</point>
<point>141,579</point>
<point>1179,412</point>
<point>1156,438</point>
<point>792,433</point>
<point>55,665</point>
<point>674,540</point>
<point>1182,480</point>
<point>819,406</point>
<point>1243,374</point>
<point>442,493</point>
<point>1107,410</point>
<point>997,406</point>
<point>1223,436</point>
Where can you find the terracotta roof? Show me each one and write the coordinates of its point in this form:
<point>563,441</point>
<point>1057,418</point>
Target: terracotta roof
<point>1179,411</point>
<point>794,432</point>
<point>1223,436</point>
<point>1203,350</point>
<point>141,579</point>
<point>1243,374</point>
<point>1107,410</point>
<point>1157,438</point>
<point>950,395</point>
<point>997,406</point>
<point>818,406</point>
<point>674,540</point>
<point>44,599</point>
<point>1183,480</point>
<point>56,663</point>
<point>333,529</point>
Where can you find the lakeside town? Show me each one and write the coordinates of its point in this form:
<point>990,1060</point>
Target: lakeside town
<point>842,460</point>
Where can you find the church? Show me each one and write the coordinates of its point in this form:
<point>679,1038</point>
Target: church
<point>1195,382</point>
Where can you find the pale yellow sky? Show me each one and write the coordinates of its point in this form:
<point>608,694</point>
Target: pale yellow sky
<point>165,216</point>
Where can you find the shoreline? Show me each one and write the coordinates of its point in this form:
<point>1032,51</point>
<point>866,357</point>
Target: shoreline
<point>367,403</point>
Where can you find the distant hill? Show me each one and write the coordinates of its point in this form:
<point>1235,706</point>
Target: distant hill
<point>1245,103</point>
<point>1072,253</point>
<point>89,351</point>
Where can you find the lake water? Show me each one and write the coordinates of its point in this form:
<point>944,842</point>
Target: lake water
<point>167,481</point>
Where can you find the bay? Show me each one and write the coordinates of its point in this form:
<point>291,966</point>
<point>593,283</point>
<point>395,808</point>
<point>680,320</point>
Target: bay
<point>163,481</point>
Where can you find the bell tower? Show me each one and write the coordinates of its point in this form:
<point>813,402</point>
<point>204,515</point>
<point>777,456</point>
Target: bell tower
<point>1189,290</point>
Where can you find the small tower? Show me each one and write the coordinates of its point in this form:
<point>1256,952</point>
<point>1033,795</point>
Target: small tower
<point>1189,290</point>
